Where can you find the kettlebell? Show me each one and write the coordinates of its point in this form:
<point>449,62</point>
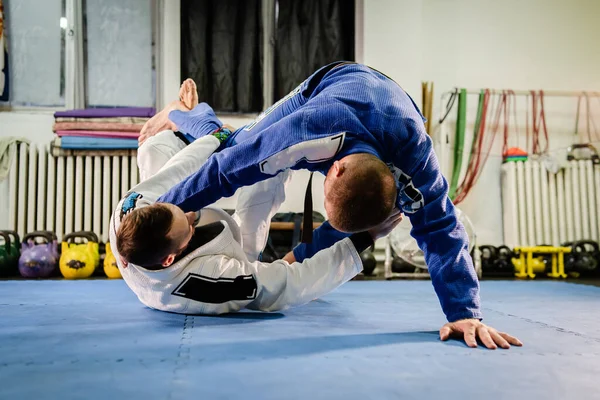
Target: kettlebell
<point>503,262</point>
<point>79,260</point>
<point>368,261</point>
<point>5,251</point>
<point>15,250</point>
<point>570,259</point>
<point>39,255</point>
<point>488,258</point>
<point>400,266</point>
<point>95,245</point>
<point>586,253</point>
<point>110,264</point>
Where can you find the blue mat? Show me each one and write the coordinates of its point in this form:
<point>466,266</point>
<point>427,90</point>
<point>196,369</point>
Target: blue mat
<point>82,142</point>
<point>368,340</point>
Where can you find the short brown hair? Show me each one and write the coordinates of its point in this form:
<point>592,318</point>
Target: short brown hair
<point>143,238</point>
<point>363,196</point>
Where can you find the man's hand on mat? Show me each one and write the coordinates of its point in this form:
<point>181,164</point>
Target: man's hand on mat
<point>161,122</point>
<point>472,329</point>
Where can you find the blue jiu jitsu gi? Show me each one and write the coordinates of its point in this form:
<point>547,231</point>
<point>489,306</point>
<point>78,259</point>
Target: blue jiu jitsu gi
<point>342,109</point>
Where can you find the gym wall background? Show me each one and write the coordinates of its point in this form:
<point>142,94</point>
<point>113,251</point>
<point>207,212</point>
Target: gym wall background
<point>537,44</point>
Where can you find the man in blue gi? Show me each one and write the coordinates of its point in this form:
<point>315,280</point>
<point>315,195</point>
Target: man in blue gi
<point>360,129</point>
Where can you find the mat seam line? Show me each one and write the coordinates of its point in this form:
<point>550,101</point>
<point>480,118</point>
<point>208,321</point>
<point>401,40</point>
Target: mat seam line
<point>183,352</point>
<point>545,325</point>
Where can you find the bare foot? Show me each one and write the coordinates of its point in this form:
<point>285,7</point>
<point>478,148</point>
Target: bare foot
<point>188,93</point>
<point>160,122</point>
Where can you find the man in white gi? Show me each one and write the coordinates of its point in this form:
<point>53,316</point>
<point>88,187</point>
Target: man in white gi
<point>213,267</point>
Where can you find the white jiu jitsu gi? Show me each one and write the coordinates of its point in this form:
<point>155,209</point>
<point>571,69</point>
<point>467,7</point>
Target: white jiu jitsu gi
<point>223,275</point>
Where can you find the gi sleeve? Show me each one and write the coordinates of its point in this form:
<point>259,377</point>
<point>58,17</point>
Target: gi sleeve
<point>199,122</point>
<point>272,286</point>
<point>274,148</point>
<point>323,237</point>
<point>174,171</point>
<point>443,239</point>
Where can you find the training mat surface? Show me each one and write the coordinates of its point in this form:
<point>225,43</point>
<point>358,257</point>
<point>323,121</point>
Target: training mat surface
<point>367,340</point>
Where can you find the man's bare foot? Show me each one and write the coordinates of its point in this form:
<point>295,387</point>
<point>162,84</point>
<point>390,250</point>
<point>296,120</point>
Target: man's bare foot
<point>160,122</point>
<point>188,93</point>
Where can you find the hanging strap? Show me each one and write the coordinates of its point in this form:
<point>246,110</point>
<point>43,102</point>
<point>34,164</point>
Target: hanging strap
<point>461,118</point>
<point>307,224</point>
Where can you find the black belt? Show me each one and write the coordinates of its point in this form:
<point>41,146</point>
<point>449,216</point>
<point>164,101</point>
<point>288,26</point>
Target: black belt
<point>307,223</point>
<point>182,137</point>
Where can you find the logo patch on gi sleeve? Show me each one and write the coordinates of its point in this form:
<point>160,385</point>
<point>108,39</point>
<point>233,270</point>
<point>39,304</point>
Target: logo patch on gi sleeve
<point>410,198</point>
<point>129,203</point>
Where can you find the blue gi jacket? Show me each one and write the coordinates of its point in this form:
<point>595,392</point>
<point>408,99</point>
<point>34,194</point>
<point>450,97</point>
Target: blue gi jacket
<point>343,108</point>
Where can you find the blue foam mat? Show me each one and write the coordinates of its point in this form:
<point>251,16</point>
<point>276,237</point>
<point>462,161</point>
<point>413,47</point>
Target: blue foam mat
<point>85,142</point>
<point>368,340</point>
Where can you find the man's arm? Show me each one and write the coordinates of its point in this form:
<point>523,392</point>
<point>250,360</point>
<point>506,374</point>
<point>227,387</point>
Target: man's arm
<point>323,237</point>
<point>276,147</point>
<point>180,166</point>
<point>284,285</point>
<point>224,284</point>
<point>443,239</point>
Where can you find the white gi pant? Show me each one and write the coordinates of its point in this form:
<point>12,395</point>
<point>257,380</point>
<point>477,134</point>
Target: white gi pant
<point>256,204</point>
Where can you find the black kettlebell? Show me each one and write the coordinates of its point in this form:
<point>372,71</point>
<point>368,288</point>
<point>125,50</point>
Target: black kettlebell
<point>400,266</point>
<point>586,252</point>
<point>368,261</point>
<point>488,258</point>
<point>503,262</point>
<point>570,259</point>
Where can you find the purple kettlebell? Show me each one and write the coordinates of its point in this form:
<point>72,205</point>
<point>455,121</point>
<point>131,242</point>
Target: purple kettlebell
<point>38,259</point>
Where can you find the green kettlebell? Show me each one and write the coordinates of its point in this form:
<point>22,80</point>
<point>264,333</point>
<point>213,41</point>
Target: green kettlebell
<point>5,261</point>
<point>15,251</point>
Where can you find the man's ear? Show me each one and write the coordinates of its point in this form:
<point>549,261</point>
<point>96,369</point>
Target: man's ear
<point>169,260</point>
<point>338,168</point>
<point>123,261</point>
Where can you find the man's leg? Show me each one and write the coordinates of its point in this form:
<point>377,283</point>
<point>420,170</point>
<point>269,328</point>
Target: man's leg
<point>156,151</point>
<point>256,205</point>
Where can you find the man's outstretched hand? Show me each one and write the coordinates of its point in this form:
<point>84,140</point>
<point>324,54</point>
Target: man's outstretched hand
<point>472,329</point>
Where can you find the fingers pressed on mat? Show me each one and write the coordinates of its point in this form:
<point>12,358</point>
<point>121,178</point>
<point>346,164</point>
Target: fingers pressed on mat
<point>485,338</point>
<point>511,339</point>
<point>500,340</point>
<point>470,338</point>
<point>445,333</point>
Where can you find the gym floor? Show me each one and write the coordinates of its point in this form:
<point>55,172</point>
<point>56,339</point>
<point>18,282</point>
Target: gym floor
<point>367,340</point>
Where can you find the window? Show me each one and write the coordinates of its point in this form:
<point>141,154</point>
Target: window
<point>244,55</point>
<point>35,43</point>
<point>118,53</point>
<point>79,53</point>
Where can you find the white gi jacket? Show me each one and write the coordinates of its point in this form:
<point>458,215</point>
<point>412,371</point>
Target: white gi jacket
<point>218,277</point>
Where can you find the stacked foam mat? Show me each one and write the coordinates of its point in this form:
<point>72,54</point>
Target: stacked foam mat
<point>99,128</point>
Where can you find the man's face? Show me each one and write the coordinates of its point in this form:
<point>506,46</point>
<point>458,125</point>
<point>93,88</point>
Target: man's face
<point>182,228</point>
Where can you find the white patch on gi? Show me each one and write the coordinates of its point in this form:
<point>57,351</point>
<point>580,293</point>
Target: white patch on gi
<point>312,151</point>
<point>411,199</point>
<point>271,109</point>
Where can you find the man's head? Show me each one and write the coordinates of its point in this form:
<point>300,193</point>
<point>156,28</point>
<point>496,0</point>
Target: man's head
<point>155,235</point>
<point>360,192</point>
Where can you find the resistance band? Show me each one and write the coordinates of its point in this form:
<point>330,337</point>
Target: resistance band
<point>473,168</point>
<point>461,124</point>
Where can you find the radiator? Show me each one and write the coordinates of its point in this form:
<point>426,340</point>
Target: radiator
<point>541,207</point>
<point>65,194</point>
